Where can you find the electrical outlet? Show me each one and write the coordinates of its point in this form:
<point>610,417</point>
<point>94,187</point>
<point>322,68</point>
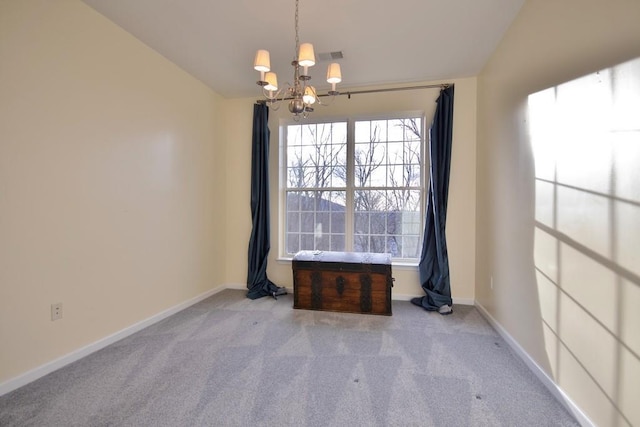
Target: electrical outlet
<point>56,311</point>
<point>492,282</point>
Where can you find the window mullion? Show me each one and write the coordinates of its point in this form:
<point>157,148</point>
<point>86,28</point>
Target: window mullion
<point>349,208</point>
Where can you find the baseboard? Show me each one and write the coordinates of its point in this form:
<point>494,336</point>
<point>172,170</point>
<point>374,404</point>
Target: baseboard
<point>56,364</point>
<point>405,297</point>
<point>555,390</point>
<point>237,286</point>
<point>464,301</point>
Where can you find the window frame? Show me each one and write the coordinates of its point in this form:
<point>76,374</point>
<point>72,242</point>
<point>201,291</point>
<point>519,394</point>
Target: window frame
<point>350,187</point>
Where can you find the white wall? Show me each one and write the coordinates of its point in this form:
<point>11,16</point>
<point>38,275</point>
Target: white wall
<point>461,212</point>
<point>550,313</point>
<point>111,176</point>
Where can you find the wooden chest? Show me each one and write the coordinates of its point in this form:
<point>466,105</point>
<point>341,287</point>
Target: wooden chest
<point>342,281</point>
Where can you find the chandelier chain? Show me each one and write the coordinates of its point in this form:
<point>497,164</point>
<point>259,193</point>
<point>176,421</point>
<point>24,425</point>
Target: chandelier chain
<point>297,37</point>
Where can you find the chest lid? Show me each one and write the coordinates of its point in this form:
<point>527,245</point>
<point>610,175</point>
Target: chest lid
<point>344,257</point>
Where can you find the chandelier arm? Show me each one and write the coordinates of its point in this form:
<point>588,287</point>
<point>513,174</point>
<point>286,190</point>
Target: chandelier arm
<point>274,100</point>
<point>269,96</point>
<point>326,104</point>
<point>275,106</point>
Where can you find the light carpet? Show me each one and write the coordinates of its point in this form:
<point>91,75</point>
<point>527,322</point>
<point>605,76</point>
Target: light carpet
<point>230,361</point>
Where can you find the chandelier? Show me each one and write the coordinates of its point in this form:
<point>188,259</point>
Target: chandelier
<point>301,95</point>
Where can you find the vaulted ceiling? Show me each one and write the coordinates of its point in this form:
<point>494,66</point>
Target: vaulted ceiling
<point>383,42</point>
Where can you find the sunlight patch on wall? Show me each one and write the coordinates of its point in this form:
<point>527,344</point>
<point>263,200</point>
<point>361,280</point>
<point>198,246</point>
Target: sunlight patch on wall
<point>585,136</point>
<point>630,315</point>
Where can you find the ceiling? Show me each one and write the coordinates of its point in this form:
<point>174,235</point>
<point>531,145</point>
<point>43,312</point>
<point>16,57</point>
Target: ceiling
<point>383,42</point>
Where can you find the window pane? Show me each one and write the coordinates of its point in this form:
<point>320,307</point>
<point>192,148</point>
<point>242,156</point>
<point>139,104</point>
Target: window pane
<point>306,201</point>
<point>394,222</point>
<point>410,247</point>
<point>322,222</point>
<point>339,165</point>
<point>361,223</point>
<point>296,177</point>
<point>323,243</point>
<point>363,131</point>
<point>412,203</point>
<point>339,177</point>
<point>294,155</point>
<point>307,222</point>
<point>338,201</point>
<point>339,153</point>
<point>396,130</point>
<point>378,130</point>
<point>412,223</point>
<point>397,176</point>
<point>362,172</point>
<point>308,151</point>
<point>361,244</point>
<point>369,200</point>
<point>337,223</point>
<point>321,202</point>
<point>293,243</point>
<point>377,153</point>
<point>377,244</point>
<point>293,222</point>
<point>395,153</point>
<point>337,242</point>
<point>378,222</point>
<point>306,242</point>
<point>394,246</point>
<point>339,132</point>
<point>308,134</point>
<point>412,152</point>
<point>369,164</point>
<point>293,201</point>
<point>379,176</point>
<point>413,129</point>
<point>293,135</point>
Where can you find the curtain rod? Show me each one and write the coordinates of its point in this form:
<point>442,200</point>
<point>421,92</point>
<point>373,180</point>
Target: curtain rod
<point>394,89</point>
<point>391,89</point>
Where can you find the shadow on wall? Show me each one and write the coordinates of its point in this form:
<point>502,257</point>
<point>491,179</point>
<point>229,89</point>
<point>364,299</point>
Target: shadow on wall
<point>585,136</point>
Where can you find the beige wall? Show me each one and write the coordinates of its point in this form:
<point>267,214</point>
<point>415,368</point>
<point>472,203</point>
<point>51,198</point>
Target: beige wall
<point>461,217</point>
<point>111,176</point>
<point>552,314</point>
<point>239,123</point>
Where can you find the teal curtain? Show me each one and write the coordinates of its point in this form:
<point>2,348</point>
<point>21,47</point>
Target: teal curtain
<point>434,260</point>
<point>259,244</point>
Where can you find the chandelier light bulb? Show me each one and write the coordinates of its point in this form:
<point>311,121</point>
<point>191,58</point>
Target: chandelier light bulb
<point>272,81</point>
<point>306,56</point>
<point>333,73</point>
<point>262,63</point>
<point>309,96</point>
<point>334,76</point>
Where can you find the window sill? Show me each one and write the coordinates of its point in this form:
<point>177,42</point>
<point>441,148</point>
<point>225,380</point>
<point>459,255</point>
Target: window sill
<point>402,265</point>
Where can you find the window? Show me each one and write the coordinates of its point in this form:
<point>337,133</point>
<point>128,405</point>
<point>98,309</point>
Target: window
<point>354,185</point>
